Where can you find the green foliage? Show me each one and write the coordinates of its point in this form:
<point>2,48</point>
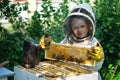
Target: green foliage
<point>12,41</point>
<point>57,21</point>
<point>77,1</point>
<point>108,31</point>
<point>34,27</point>
<point>53,18</point>
<point>80,1</point>
<point>9,11</point>
<point>112,73</point>
<point>47,12</point>
<point>108,24</point>
<point>10,47</point>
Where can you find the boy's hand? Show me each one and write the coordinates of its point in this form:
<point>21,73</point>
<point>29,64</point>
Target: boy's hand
<point>96,52</point>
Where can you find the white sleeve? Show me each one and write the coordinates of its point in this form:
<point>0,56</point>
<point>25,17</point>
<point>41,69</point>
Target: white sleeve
<point>64,41</point>
<point>98,64</point>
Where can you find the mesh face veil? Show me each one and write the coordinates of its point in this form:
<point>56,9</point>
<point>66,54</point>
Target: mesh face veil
<point>84,10</point>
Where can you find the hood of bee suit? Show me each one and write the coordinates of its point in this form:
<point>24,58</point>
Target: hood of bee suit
<point>88,13</point>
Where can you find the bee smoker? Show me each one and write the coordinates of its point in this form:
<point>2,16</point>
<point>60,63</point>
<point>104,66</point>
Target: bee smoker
<point>30,54</point>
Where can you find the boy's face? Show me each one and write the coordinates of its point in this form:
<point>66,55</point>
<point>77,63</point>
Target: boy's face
<point>79,28</point>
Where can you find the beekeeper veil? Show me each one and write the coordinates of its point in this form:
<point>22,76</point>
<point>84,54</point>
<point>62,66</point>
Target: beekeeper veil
<point>84,10</point>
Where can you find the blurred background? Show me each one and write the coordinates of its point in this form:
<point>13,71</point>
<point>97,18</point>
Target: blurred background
<point>20,19</point>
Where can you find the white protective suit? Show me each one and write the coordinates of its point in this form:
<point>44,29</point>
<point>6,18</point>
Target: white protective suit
<point>85,42</point>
